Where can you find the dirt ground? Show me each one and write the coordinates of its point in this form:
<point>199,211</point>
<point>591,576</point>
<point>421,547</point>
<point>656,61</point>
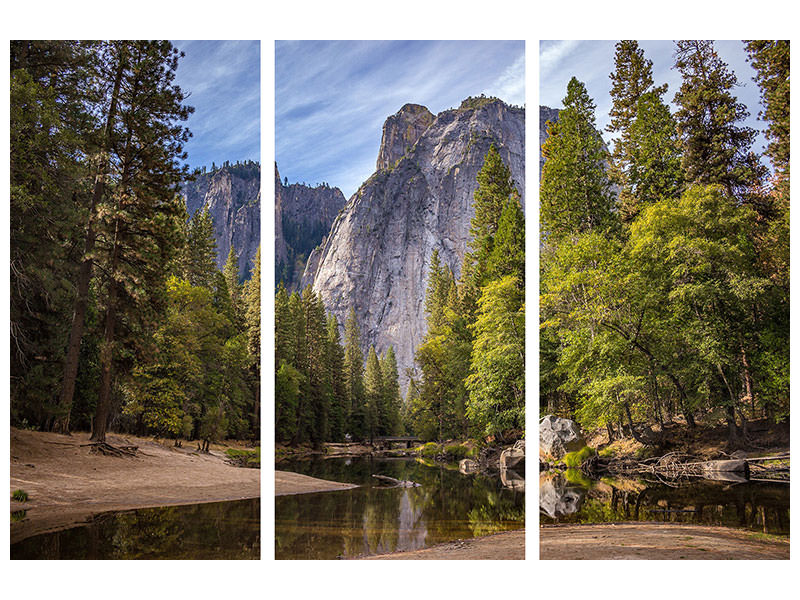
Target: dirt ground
<point>287,483</point>
<point>67,484</point>
<point>620,541</point>
<point>509,545</point>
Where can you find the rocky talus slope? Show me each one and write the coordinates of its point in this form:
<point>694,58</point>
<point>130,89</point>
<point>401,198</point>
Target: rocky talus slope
<point>376,257</point>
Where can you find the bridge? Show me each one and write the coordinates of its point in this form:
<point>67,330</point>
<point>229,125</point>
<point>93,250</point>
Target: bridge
<point>386,441</point>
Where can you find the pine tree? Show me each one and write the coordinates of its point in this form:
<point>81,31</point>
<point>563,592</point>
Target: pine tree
<point>770,59</point>
<point>495,187</point>
<point>574,189</point>
<point>373,385</point>
<point>508,256</point>
<point>140,222</point>
<point>631,79</point>
<point>231,272</point>
<point>251,296</point>
<point>655,158</point>
<point>336,371</point>
<point>391,393</point>
<point>199,256</point>
<point>354,377</point>
<point>716,147</point>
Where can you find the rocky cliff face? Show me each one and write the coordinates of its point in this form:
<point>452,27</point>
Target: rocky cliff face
<point>377,255</point>
<point>400,132</point>
<point>232,195</point>
<point>303,217</point>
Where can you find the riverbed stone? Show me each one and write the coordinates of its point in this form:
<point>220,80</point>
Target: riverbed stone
<point>559,436</point>
<point>558,497</point>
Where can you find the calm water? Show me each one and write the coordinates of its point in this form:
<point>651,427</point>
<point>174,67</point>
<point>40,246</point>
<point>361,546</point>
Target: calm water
<point>571,498</point>
<point>224,530</point>
<point>377,520</point>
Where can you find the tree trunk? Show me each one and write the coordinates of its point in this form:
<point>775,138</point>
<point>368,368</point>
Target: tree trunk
<point>635,435</point>
<point>61,424</point>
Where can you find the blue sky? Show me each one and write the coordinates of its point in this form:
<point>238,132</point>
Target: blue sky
<point>593,61</point>
<point>223,78</point>
<point>332,97</point>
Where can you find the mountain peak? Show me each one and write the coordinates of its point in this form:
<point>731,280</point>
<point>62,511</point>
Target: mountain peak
<point>400,133</point>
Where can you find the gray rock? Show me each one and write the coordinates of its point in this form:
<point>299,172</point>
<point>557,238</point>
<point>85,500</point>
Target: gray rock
<point>511,457</point>
<point>303,218</point>
<point>232,195</point>
<point>558,497</point>
<point>558,436</point>
<point>377,255</point>
<point>468,466</point>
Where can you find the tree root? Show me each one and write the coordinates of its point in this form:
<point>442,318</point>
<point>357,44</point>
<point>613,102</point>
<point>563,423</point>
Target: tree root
<point>109,450</point>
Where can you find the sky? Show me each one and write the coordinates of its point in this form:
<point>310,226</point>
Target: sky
<point>223,79</point>
<point>593,61</point>
<point>332,97</point>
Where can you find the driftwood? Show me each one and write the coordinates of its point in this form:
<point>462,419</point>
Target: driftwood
<point>109,450</point>
<point>396,482</point>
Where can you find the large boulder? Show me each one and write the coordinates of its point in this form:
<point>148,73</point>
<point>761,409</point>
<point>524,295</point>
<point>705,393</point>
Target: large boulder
<point>558,497</point>
<point>558,436</point>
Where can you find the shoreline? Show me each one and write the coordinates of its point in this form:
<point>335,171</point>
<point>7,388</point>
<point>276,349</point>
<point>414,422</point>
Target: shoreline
<point>68,486</point>
<point>637,540</point>
<point>288,483</point>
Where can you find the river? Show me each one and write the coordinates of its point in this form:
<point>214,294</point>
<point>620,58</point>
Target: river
<point>373,519</point>
<point>216,530</point>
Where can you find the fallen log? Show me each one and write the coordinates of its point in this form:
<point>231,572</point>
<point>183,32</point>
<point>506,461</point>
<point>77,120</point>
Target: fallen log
<point>397,482</point>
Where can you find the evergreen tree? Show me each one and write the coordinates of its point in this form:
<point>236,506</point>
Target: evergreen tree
<point>655,160</point>
<point>716,147</point>
<point>354,377</point>
<point>231,272</point>
<point>574,189</point>
<point>336,371</point>
<point>391,394</point>
<point>139,223</point>
<point>373,386</point>
<point>199,256</point>
<point>631,79</point>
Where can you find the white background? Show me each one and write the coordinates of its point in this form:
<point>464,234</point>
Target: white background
<point>400,19</point>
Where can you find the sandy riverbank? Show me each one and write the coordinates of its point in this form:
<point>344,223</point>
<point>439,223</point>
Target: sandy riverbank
<point>665,541</point>
<point>287,483</point>
<point>67,484</point>
<point>509,545</point>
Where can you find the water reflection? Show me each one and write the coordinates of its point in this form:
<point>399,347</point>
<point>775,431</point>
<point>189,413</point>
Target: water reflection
<point>377,520</point>
<point>218,530</point>
<point>571,498</point>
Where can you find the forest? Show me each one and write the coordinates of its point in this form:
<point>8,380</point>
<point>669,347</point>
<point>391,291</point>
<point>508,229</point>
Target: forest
<point>472,359</point>
<point>120,319</point>
<point>664,271</point>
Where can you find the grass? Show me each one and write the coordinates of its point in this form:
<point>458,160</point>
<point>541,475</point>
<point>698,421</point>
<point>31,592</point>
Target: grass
<point>20,496</point>
<point>459,451</point>
<point>251,458</point>
<point>575,459</point>
<point>18,515</point>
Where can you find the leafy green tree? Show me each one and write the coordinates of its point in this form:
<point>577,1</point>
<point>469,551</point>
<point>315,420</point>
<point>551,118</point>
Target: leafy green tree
<point>496,382</point>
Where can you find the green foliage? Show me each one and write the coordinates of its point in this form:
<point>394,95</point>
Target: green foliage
<point>574,460</point>
<point>575,191</point>
<point>19,496</point>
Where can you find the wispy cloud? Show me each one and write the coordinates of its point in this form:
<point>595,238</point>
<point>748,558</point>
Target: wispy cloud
<point>333,97</point>
<point>223,82</point>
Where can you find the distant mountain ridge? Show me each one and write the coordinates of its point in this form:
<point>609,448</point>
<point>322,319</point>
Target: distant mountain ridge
<point>303,218</point>
<point>232,194</point>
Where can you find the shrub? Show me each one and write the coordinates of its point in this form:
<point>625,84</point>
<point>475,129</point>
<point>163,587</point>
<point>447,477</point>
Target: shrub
<point>457,451</point>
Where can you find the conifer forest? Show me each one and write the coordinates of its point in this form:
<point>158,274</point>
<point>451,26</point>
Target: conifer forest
<point>120,318</point>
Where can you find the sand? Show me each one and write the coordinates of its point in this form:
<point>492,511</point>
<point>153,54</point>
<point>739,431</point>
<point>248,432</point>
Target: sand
<point>67,484</point>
